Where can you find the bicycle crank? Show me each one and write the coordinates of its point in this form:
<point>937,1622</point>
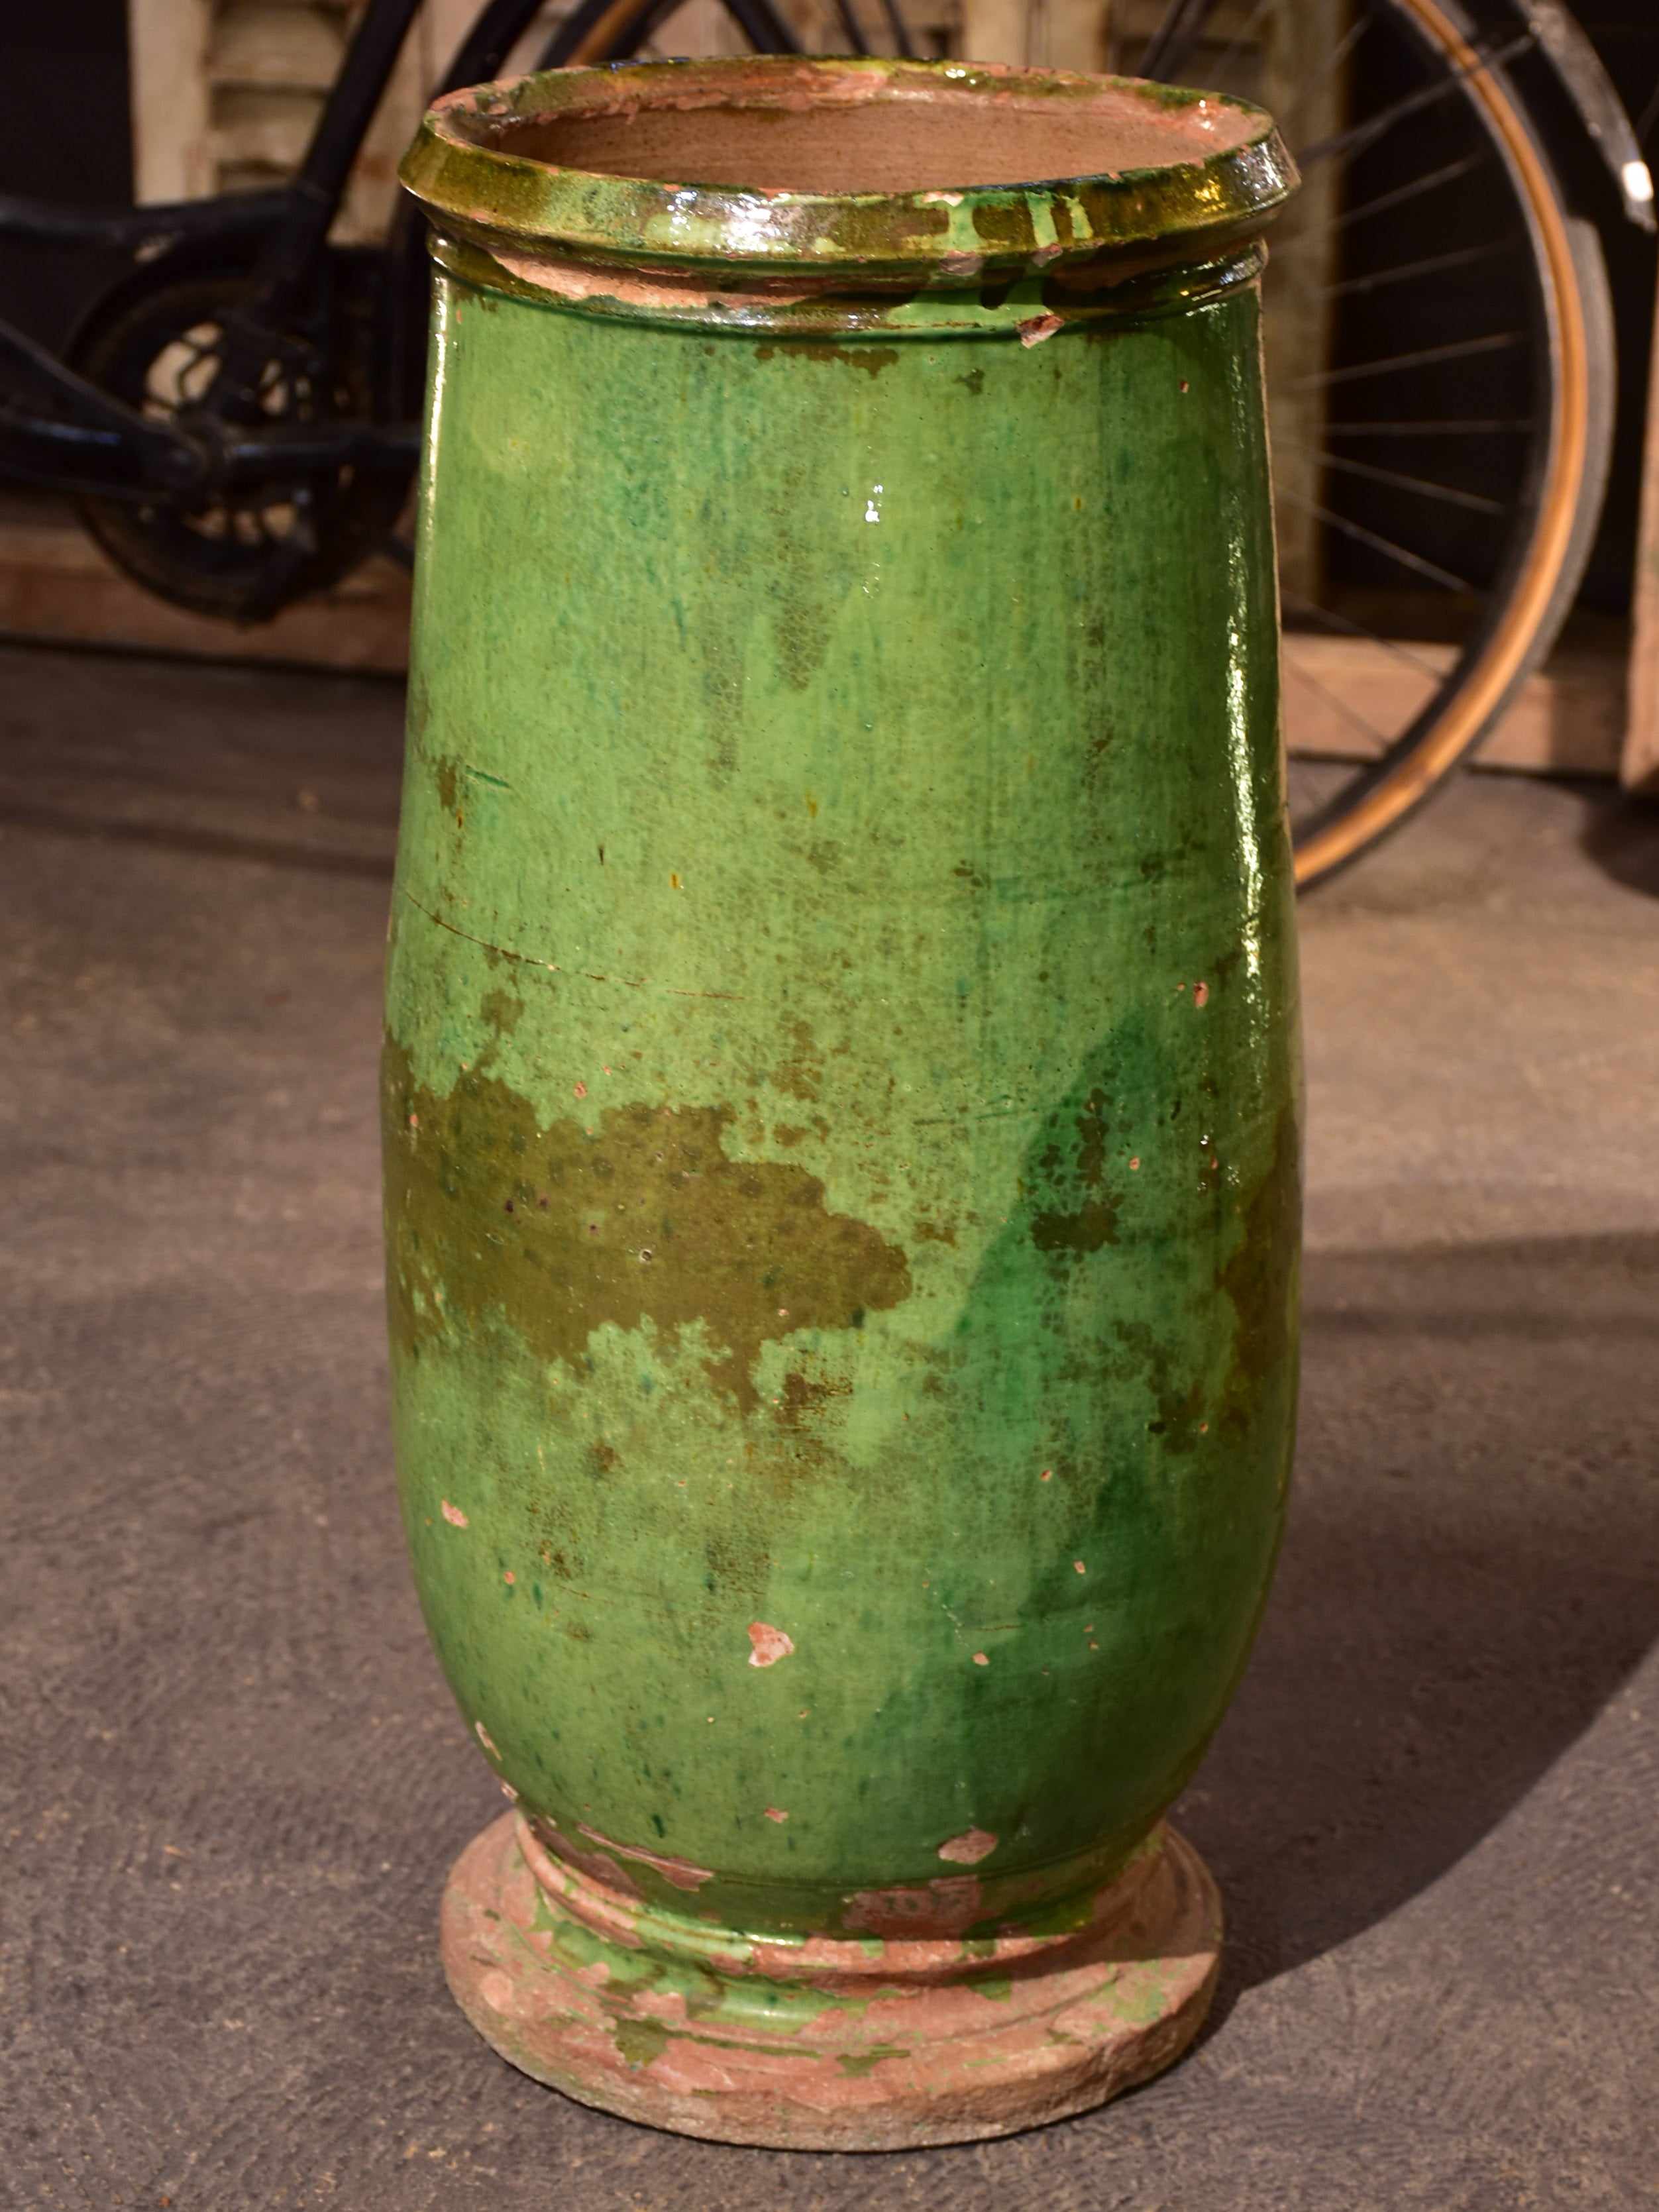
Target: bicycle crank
<point>239,517</point>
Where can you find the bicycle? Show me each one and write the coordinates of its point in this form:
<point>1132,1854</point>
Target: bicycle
<point>237,414</point>
<point>1501,389</point>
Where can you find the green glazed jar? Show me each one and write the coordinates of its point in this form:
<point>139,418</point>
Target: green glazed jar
<point>842,1092</point>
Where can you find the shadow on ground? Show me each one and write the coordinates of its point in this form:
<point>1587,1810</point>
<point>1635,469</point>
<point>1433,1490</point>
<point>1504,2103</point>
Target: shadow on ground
<point>1621,835</point>
<point>1471,1571</point>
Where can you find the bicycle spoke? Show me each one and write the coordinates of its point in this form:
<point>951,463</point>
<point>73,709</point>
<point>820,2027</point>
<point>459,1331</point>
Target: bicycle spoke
<point>901,45</point>
<point>1463,350</point>
<point>1384,545</point>
<point>849,23</point>
<point>1240,40</point>
<point>1449,174</point>
<point>1360,136</point>
<point>1351,716</point>
<point>1345,46</point>
<point>1311,784</point>
<point>1418,484</point>
<point>1345,627</point>
<point>1177,32</point>
<point>1425,255</point>
<point>1403,269</point>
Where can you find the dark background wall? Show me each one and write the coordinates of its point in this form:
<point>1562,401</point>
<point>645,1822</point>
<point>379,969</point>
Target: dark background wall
<point>1476,286</point>
<point>64,136</point>
<point>1626,36</point>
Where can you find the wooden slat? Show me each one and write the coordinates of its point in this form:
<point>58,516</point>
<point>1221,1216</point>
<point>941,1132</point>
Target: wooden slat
<point>56,586</point>
<point>171,126</point>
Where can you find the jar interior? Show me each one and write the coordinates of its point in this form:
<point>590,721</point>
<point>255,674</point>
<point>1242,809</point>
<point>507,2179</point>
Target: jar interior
<point>939,140</point>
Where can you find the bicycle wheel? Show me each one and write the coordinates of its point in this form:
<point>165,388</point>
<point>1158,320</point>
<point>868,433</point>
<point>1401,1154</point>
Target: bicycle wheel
<point>1438,336</point>
<point>1440,368</point>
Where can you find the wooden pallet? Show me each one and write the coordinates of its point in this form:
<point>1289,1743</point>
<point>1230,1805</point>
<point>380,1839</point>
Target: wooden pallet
<point>57,587</point>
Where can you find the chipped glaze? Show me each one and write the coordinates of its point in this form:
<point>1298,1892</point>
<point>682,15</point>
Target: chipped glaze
<point>835,1244</point>
<point>880,2045</point>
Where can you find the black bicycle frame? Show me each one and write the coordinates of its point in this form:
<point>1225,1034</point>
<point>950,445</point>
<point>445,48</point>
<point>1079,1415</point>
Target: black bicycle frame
<point>58,429</point>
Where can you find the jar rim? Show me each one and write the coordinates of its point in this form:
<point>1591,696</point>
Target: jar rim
<point>483,167</point>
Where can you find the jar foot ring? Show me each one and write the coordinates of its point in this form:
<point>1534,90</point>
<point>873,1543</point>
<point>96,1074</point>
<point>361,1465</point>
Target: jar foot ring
<point>924,2043</point>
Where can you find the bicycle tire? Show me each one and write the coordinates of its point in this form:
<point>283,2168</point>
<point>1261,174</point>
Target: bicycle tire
<point>1536,576</point>
<point>1532,599</point>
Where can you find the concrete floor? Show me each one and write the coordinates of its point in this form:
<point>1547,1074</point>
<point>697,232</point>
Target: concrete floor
<point>233,1778</point>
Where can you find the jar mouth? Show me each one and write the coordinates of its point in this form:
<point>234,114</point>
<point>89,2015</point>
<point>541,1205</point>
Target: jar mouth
<point>937,170</point>
<point>865,136</point>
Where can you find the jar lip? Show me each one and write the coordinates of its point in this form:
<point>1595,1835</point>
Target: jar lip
<point>481,166</point>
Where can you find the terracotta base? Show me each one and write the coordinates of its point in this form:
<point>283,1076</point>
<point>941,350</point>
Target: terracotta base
<point>827,2044</point>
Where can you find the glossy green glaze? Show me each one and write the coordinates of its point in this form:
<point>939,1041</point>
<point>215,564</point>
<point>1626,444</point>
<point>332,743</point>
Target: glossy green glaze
<point>1200,169</point>
<point>841,1087</point>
